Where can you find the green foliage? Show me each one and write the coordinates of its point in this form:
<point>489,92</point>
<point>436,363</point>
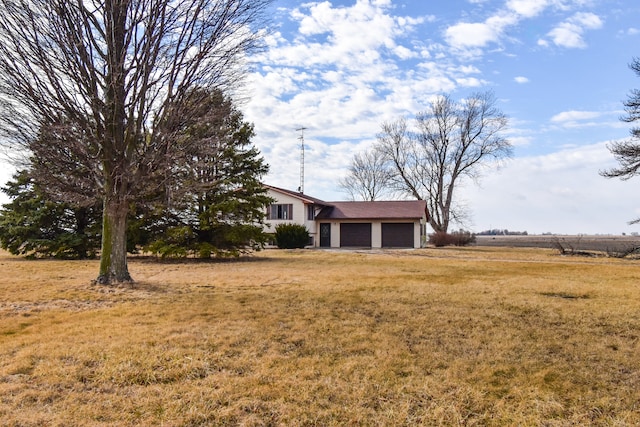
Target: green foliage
<point>291,236</point>
<point>457,238</point>
<point>35,226</point>
<point>174,243</point>
<point>218,201</point>
<point>213,206</point>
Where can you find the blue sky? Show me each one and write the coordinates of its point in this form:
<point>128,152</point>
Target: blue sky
<point>559,69</point>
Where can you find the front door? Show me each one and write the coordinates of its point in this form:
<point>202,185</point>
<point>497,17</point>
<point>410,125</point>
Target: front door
<point>325,235</point>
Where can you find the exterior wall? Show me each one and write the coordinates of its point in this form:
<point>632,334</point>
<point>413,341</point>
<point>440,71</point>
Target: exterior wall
<point>299,215</point>
<point>417,234</point>
<point>376,234</point>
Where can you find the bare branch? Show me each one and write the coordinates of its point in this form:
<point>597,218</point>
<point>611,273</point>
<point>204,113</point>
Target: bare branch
<point>369,176</point>
<point>451,141</point>
<point>627,152</point>
<point>110,73</point>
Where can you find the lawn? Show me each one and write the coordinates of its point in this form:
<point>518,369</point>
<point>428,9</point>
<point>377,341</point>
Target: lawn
<point>469,336</point>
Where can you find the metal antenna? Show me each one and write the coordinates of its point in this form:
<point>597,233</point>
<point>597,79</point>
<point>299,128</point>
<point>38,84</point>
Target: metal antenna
<point>301,138</point>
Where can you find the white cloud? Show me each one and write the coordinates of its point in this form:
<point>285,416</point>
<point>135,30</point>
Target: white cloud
<point>560,192</point>
<point>570,33</point>
<point>339,75</point>
<point>464,35</point>
<point>404,53</point>
<point>351,68</point>
<point>574,116</point>
<point>520,141</point>
<point>527,8</point>
<point>470,82</point>
<point>471,37</point>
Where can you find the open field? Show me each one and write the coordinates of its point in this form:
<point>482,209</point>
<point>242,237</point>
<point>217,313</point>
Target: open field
<point>603,243</point>
<point>465,336</point>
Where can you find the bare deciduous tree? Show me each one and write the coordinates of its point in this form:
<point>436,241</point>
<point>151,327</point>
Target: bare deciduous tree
<point>451,141</point>
<point>100,78</point>
<point>368,177</point>
<point>627,152</point>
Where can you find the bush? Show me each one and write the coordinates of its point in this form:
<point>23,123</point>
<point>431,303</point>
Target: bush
<point>291,236</point>
<point>457,238</point>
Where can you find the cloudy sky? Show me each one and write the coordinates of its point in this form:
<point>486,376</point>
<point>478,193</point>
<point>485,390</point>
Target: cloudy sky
<point>559,69</point>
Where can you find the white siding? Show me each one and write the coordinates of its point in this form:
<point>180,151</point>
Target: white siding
<point>299,215</point>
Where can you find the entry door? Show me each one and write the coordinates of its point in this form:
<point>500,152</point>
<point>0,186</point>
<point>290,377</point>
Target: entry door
<point>325,235</point>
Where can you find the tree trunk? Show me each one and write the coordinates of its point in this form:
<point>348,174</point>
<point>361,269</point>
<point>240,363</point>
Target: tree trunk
<point>437,227</point>
<point>113,258</point>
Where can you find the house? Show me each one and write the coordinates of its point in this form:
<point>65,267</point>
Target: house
<point>379,224</point>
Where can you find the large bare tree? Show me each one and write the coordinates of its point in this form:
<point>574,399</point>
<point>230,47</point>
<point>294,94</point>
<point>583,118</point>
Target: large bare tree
<point>627,152</point>
<point>451,141</point>
<point>101,78</point>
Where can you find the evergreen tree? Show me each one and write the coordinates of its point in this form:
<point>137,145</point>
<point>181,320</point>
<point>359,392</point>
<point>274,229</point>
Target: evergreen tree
<point>34,225</point>
<point>212,202</point>
<point>214,198</point>
<point>112,71</point>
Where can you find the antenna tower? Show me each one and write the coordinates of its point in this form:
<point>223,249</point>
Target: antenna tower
<point>301,138</point>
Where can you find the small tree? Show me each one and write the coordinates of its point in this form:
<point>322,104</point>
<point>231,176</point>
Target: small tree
<point>368,177</point>
<point>627,152</point>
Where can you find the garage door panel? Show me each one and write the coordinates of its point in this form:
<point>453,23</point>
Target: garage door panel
<point>355,235</point>
<point>397,235</point>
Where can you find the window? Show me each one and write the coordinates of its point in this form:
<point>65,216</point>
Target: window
<point>311,212</point>
<point>280,211</point>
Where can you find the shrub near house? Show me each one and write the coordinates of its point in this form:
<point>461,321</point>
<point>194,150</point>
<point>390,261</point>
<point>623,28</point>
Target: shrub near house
<point>291,236</point>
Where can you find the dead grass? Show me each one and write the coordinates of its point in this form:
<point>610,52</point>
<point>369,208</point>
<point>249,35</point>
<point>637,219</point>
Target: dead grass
<point>466,336</point>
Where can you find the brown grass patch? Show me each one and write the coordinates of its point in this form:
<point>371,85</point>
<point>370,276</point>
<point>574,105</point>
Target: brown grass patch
<point>465,336</point>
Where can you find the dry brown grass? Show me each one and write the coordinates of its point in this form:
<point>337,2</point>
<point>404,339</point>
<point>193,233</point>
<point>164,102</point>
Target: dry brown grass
<point>469,336</point>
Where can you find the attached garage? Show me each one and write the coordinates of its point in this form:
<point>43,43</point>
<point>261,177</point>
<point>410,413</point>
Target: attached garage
<point>397,235</point>
<point>355,235</point>
<point>378,224</point>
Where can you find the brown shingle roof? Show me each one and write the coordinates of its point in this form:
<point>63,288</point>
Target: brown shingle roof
<point>392,209</point>
<point>396,209</point>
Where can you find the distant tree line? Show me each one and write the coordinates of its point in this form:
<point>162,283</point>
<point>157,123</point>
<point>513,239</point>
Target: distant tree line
<point>505,232</point>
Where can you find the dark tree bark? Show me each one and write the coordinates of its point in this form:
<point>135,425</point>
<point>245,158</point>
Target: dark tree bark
<point>108,72</point>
